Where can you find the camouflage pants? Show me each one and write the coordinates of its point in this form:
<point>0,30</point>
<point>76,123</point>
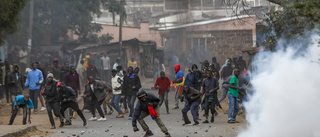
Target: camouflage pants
<point>107,102</point>
<point>145,127</point>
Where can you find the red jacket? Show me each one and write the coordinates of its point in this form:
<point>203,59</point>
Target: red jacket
<point>164,85</point>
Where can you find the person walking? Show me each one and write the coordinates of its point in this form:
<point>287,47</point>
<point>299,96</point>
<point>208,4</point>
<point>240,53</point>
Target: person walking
<point>24,102</point>
<point>233,97</point>
<point>98,95</point>
<point>116,91</point>
<point>227,70</point>
<point>6,71</point>
<point>163,84</point>
<point>141,111</point>
<point>178,80</point>
<point>50,93</point>
<point>211,85</point>
<point>131,85</point>
<point>16,82</point>
<point>34,80</point>
<point>67,98</point>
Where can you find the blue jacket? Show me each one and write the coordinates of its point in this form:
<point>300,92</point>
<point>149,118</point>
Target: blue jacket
<point>191,80</point>
<point>33,77</point>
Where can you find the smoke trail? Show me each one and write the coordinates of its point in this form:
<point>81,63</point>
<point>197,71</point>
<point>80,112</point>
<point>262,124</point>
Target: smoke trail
<point>286,95</point>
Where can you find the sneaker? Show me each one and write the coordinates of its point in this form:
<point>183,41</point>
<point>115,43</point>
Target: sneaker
<point>126,111</point>
<point>53,127</point>
<point>42,109</point>
<point>93,118</point>
<point>212,119</point>
<point>167,135</point>
<point>102,119</point>
<point>68,123</point>
<point>231,121</point>
<point>196,124</point>
<point>120,116</point>
<point>61,124</point>
<point>176,108</point>
<point>187,124</point>
<point>205,121</point>
<point>36,111</point>
<point>130,118</point>
<point>148,133</point>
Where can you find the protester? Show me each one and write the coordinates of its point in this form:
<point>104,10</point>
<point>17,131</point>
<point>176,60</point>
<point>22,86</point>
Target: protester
<point>6,71</point>
<point>55,68</point>
<point>116,91</point>
<point>106,102</point>
<point>132,63</point>
<point>198,76</point>
<point>64,71</point>
<point>106,67</point>
<point>92,71</point>
<point>163,84</point>
<point>87,100</point>
<point>16,82</point>
<point>234,62</point>
<point>42,84</point>
<point>193,100</point>
<point>178,79</point>
<point>225,88</point>
<point>131,85</point>
<point>141,111</point>
<point>98,95</point>
<point>191,79</point>
<point>242,63</point>
<point>98,63</point>
<point>117,63</point>
<point>211,85</point>
<point>67,97</point>
<point>21,102</point>
<point>233,97</point>
<point>72,80</point>
<point>52,100</point>
<point>34,80</point>
<point>227,70</point>
<point>156,67</point>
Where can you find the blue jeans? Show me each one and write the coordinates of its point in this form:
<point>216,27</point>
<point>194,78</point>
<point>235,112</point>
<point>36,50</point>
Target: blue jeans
<point>193,107</point>
<point>131,99</point>
<point>233,107</point>
<point>115,100</point>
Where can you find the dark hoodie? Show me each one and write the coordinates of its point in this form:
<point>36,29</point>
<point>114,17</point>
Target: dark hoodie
<point>56,70</point>
<point>16,82</point>
<point>143,106</point>
<point>130,81</point>
<point>179,74</point>
<point>50,92</point>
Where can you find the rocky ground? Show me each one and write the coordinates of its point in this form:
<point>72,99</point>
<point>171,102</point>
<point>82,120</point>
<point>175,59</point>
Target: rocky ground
<point>122,127</point>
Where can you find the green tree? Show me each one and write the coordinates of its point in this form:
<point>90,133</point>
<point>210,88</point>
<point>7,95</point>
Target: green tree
<point>10,17</point>
<point>54,19</point>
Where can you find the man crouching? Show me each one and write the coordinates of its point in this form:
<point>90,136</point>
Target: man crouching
<point>141,111</point>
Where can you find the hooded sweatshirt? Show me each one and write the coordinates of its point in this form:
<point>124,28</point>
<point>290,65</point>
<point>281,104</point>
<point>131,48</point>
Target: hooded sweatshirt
<point>179,74</point>
<point>226,71</point>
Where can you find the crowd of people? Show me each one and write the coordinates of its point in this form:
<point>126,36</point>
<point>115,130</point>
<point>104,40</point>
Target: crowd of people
<point>116,88</point>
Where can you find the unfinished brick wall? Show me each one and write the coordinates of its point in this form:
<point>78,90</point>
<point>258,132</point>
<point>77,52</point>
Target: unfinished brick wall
<point>227,44</point>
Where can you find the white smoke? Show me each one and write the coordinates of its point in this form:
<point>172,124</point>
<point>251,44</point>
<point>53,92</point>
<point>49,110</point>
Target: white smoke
<point>286,99</point>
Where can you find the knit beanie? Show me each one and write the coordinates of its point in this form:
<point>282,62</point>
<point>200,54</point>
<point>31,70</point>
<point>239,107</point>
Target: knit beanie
<point>50,75</point>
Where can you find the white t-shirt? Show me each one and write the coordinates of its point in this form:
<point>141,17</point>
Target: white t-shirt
<point>106,63</point>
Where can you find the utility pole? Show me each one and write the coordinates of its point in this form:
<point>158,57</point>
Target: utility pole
<point>120,26</point>
<point>30,30</point>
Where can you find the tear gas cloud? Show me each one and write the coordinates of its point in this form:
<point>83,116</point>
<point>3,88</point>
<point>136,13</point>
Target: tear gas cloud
<point>286,93</point>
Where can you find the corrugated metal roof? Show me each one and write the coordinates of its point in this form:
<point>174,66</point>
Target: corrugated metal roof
<point>207,22</point>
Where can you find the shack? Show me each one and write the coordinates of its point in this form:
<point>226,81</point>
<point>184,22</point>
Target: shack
<point>144,53</point>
